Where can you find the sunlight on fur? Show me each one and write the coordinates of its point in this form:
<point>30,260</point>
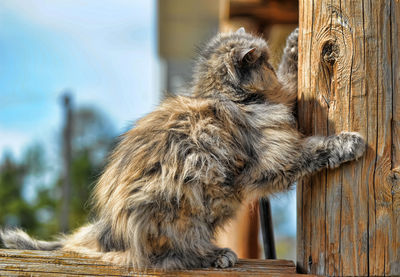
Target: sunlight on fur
<point>183,171</point>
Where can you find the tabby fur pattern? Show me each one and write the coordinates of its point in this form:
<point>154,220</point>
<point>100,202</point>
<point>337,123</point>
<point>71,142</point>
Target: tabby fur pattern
<point>183,171</point>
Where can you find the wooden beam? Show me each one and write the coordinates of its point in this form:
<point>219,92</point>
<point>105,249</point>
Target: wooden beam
<point>272,12</point>
<point>43,263</point>
<point>349,80</point>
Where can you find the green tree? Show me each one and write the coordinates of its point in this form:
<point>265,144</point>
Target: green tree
<point>30,189</point>
<point>15,211</point>
<point>39,191</point>
<point>92,139</point>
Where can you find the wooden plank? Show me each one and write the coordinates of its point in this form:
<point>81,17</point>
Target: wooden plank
<point>349,81</point>
<point>273,12</point>
<point>38,263</point>
<point>395,177</point>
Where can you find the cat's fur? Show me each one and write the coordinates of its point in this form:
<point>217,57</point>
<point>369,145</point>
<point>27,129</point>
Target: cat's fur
<point>183,171</point>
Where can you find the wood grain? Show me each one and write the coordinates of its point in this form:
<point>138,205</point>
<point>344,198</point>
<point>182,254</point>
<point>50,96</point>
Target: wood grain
<point>349,80</point>
<point>43,263</point>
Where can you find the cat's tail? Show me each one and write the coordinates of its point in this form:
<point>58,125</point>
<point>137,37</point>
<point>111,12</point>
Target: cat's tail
<point>18,239</point>
<point>83,241</point>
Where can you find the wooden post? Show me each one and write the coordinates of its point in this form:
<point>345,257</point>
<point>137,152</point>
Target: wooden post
<point>67,152</point>
<point>349,80</point>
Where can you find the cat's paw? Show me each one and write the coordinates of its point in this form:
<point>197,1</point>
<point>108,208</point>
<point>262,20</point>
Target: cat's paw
<point>348,146</point>
<point>291,49</point>
<point>225,258</point>
<point>288,65</point>
<point>353,144</point>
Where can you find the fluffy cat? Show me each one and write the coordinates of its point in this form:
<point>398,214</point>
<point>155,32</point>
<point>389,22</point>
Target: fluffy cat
<point>185,168</point>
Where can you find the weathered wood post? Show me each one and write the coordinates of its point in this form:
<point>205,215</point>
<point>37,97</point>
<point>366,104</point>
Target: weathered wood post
<point>349,80</point>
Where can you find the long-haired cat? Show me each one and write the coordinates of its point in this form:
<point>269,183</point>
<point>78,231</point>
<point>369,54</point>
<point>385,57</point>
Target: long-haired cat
<point>185,168</point>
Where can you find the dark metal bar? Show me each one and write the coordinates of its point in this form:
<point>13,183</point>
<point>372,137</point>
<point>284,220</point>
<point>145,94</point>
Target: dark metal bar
<point>267,229</point>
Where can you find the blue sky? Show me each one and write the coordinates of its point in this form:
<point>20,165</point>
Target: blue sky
<point>104,52</point>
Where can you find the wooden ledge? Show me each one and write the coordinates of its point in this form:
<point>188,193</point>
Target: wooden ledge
<point>44,263</point>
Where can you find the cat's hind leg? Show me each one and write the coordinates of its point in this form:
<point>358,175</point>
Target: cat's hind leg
<point>176,259</point>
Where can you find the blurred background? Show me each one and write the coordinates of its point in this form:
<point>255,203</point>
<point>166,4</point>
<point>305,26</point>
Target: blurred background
<point>75,75</point>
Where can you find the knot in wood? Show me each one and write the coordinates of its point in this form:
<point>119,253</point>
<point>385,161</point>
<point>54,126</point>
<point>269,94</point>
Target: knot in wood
<point>394,180</point>
<point>330,52</point>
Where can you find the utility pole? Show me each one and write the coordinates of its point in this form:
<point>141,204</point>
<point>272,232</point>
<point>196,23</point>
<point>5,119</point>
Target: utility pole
<point>66,144</point>
<point>348,219</point>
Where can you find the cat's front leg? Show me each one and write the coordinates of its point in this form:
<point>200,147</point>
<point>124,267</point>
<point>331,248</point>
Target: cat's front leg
<point>282,168</point>
<point>322,152</point>
<point>287,70</point>
<point>318,153</point>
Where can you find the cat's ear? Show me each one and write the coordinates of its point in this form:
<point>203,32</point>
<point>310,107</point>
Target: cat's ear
<point>247,56</point>
<point>244,57</point>
<point>241,30</point>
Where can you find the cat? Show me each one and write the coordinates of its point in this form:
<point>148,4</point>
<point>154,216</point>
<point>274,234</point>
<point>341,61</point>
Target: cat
<point>184,170</point>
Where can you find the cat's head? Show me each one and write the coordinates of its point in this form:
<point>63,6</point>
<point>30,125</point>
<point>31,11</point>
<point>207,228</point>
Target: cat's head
<point>237,66</point>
